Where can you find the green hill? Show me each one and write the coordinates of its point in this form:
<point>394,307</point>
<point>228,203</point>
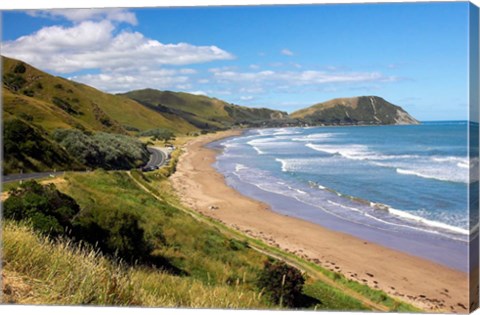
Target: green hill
<point>202,111</point>
<point>362,110</point>
<point>54,102</point>
<point>27,148</point>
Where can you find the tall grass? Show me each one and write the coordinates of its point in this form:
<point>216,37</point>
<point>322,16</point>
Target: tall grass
<point>63,273</point>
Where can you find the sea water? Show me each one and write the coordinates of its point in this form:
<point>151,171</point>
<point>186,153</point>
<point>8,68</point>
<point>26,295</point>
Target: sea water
<point>405,187</point>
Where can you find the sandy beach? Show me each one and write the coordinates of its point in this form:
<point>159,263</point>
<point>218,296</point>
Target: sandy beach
<point>425,284</point>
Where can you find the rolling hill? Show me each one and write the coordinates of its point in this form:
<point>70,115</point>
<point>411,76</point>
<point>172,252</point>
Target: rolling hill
<point>362,110</point>
<point>54,102</point>
<point>205,112</point>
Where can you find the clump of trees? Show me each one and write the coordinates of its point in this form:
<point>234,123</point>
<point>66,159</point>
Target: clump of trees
<point>114,231</point>
<point>282,283</point>
<point>108,151</point>
<point>159,134</point>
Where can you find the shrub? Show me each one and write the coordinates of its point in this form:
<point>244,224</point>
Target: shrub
<point>66,106</point>
<point>29,93</point>
<point>108,151</point>
<point>115,232</point>
<point>20,68</point>
<point>281,282</point>
<point>48,210</point>
<point>159,134</point>
<point>14,81</point>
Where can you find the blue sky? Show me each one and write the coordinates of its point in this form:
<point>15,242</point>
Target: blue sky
<point>285,57</point>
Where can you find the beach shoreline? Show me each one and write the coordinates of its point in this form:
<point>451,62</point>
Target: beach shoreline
<point>423,283</point>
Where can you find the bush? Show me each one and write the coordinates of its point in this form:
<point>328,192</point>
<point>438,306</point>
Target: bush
<point>108,151</point>
<point>282,283</point>
<point>115,232</point>
<point>48,210</point>
<point>14,81</point>
<point>66,106</point>
<point>20,68</point>
<point>159,134</point>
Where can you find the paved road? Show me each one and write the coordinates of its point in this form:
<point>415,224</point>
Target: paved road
<point>25,176</point>
<point>158,157</point>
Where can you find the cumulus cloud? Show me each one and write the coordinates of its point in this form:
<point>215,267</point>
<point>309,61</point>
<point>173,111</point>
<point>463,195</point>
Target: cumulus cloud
<point>95,45</point>
<point>286,52</point>
<point>79,15</point>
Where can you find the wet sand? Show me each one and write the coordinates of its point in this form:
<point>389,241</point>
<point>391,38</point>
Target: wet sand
<point>425,284</point>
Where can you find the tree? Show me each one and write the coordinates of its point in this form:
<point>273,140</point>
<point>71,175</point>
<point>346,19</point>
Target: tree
<point>281,282</point>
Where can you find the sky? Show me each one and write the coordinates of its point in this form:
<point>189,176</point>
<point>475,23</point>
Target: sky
<point>414,55</point>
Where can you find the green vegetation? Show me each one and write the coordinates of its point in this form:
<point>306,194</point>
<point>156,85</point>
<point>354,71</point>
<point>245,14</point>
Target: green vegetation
<point>159,134</point>
<point>282,283</point>
<point>194,261</point>
<point>108,151</point>
<point>38,270</point>
<point>28,149</point>
<point>54,102</point>
<point>363,110</point>
<point>48,210</point>
<point>204,112</point>
<point>338,297</point>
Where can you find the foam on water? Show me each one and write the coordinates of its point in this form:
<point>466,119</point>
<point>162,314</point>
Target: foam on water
<point>347,209</point>
<point>303,164</point>
<point>450,168</point>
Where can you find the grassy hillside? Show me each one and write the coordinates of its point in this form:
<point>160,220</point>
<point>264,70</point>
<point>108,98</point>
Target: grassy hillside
<point>202,111</point>
<point>29,149</point>
<point>208,264</point>
<point>368,110</point>
<point>54,102</point>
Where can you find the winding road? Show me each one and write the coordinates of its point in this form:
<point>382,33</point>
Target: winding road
<point>158,157</point>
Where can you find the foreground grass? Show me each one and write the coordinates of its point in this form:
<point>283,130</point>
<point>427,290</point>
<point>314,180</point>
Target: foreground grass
<point>40,271</point>
<point>213,266</point>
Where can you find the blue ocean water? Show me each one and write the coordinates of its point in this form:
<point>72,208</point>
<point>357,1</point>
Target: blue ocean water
<point>402,186</point>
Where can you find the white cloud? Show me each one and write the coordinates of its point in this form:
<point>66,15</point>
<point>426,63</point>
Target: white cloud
<point>79,15</point>
<point>246,98</point>
<point>197,92</point>
<point>120,81</point>
<point>95,45</point>
<point>307,77</point>
<point>286,52</point>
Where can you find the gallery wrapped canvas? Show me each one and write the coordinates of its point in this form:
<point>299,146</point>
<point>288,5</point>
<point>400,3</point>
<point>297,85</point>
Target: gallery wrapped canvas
<point>257,157</point>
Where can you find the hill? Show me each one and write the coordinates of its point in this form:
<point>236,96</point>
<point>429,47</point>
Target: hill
<point>29,149</point>
<point>362,110</point>
<point>54,102</point>
<point>204,112</point>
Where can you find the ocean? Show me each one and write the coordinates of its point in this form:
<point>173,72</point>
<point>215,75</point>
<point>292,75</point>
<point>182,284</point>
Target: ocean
<point>404,187</point>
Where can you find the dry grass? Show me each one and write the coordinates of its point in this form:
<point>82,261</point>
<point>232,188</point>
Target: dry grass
<point>40,271</point>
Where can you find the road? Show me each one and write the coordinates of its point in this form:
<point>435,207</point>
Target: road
<point>158,157</point>
<point>26,176</point>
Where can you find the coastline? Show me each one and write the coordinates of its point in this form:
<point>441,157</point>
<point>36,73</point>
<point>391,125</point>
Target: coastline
<point>420,282</point>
